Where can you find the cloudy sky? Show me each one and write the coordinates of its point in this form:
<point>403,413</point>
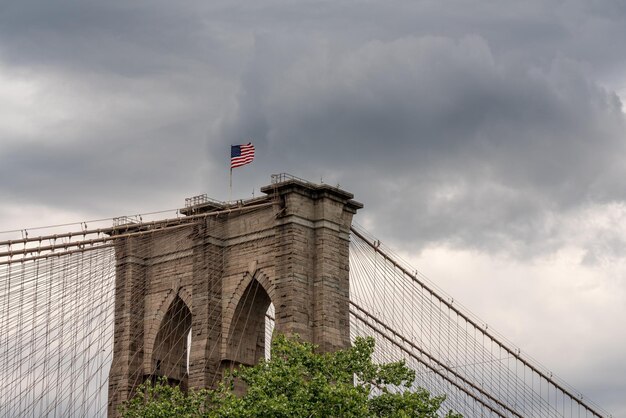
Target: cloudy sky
<point>487,139</point>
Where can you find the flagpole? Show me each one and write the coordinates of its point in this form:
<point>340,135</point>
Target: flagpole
<point>230,188</point>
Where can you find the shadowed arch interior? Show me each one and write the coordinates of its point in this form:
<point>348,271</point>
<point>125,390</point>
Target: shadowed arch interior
<point>169,357</point>
<point>246,340</point>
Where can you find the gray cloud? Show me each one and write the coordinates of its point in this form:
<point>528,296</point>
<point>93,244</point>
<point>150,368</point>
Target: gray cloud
<point>483,126</point>
<point>466,148</point>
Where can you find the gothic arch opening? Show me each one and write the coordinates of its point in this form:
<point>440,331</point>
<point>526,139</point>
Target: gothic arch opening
<point>170,355</point>
<point>247,337</point>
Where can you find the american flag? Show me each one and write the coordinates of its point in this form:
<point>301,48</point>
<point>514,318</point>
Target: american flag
<point>241,154</point>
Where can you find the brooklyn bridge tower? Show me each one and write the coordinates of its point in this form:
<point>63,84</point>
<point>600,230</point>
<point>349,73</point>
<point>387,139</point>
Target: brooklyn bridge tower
<point>191,299</point>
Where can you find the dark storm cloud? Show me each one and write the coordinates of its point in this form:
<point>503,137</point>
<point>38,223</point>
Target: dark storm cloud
<point>452,141</point>
<point>473,125</point>
<point>115,38</point>
<point>70,176</point>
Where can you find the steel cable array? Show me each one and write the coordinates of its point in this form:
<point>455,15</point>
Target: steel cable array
<point>445,342</point>
<point>57,296</point>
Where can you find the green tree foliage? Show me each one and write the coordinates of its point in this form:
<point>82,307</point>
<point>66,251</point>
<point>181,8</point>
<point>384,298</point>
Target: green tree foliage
<point>298,382</point>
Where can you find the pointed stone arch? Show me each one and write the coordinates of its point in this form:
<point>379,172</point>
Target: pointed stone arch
<point>168,356</point>
<point>244,320</point>
<point>246,279</point>
<point>154,323</point>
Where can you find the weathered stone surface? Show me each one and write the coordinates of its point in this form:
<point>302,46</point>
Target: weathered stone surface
<point>218,276</point>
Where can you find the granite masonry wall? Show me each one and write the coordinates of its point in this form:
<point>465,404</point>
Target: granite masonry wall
<point>217,276</point>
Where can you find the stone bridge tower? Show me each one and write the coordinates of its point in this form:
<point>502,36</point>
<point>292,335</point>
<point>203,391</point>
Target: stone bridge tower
<point>216,273</point>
